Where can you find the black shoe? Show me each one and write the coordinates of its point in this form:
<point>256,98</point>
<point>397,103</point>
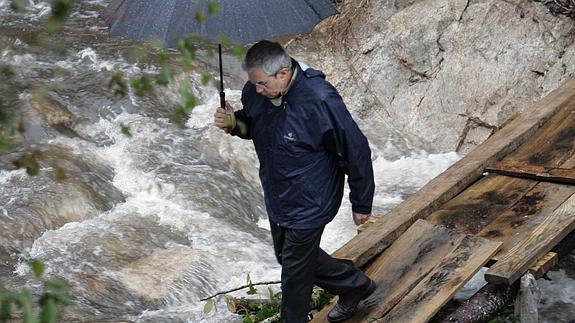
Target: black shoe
<point>347,305</point>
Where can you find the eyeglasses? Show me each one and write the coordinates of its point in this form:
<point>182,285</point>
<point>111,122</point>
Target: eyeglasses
<point>261,84</point>
<point>264,84</point>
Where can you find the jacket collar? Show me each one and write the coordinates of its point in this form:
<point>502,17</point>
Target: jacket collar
<point>297,73</point>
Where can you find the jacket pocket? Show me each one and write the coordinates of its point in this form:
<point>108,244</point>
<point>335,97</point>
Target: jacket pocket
<point>291,184</point>
<point>297,197</point>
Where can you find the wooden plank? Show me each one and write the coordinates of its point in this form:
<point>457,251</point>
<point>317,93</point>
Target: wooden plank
<point>544,264</point>
<point>486,199</point>
<point>540,173</point>
<point>518,221</point>
<point>380,235</point>
<point>481,203</point>
<point>439,286</point>
<point>372,219</point>
<point>544,237</point>
<point>404,264</point>
<point>552,144</point>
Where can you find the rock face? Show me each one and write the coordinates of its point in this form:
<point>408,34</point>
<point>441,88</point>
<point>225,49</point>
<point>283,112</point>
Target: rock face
<point>445,74</point>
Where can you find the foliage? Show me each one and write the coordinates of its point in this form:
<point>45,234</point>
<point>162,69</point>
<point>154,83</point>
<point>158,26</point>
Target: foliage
<point>506,315</point>
<point>50,303</point>
<point>56,291</point>
<point>9,103</point>
<point>320,297</point>
<point>258,310</point>
<point>119,84</point>
<point>30,162</point>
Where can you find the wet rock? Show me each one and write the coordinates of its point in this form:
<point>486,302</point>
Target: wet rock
<point>31,205</point>
<point>44,116</point>
<point>122,264</point>
<point>152,281</point>
<point>426,68</point>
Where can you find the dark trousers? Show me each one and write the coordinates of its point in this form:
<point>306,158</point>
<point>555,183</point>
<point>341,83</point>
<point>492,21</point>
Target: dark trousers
<point>304,264</point>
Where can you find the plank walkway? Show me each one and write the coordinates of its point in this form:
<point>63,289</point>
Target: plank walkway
<point>508,202</point>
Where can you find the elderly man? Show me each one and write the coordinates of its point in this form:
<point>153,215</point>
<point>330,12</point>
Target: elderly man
<point>306,142</point>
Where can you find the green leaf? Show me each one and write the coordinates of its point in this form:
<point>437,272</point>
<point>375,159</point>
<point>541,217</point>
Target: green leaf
<point>188,49</point>
<point>242,127</point>
<point>165,75</point>
<point>118,84</point>
<point>58,290</point>
<point>209,307</point>
<point>164,57</point>
<point>213,8</point>
<point>49,313</point>
<point>206,79</point>
<point>238,50</point>
<point>6,143</point>
<point>179,115</point>
<point>141,85</point>
<point>29,162</point>
<point>6,308</point>
<point>189,101</point>
<point>60,174</point>
<point>126,130</point>
<point>224,40</point>
<point>18,5</point>
<point>61,9</point>
<point>37,267</point>
<point>252,290</point>
<point>200,17</point>
<point>25,302</point>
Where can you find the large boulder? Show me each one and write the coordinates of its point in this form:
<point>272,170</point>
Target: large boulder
<point>445,74</point>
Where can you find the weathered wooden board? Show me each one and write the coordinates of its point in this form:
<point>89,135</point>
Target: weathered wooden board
<point>524,254</point>
<point>485,200</point>
<point>481,203</point>
<point>552,145</point>
<point>381,234</point>
<point>438,287</point>
<point>518,221</point>
<point>544,264</point>
<point>540,173</point>
<point>401,266</point>
<point>420,252</point>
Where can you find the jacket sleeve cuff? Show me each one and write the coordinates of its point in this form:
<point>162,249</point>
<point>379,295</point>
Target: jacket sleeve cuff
<point>235,131</point>
<point>361,209</point>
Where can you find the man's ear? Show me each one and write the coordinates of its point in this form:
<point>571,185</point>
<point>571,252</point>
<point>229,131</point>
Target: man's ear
<point>283,73</point>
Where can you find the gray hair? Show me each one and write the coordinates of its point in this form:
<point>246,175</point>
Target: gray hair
<point>267,55</point>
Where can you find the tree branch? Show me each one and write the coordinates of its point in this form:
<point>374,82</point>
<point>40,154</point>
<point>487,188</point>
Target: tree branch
<point>241,287</point>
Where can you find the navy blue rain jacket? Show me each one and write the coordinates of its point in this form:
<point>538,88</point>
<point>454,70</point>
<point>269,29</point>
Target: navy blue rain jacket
<point>305,147</point>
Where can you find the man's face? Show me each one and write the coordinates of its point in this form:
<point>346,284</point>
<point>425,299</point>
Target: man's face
<point>269,86</point>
